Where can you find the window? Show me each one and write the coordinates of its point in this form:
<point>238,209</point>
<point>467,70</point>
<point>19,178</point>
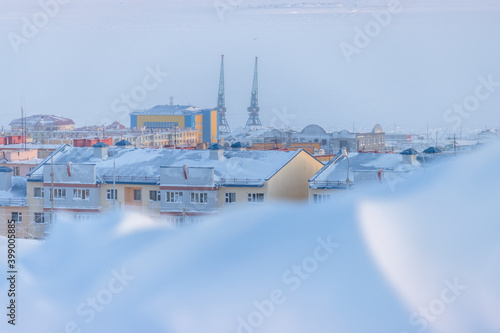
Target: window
<point>81,194</point>
<point>154,196</point>
<point>59,193</point>
<point>255,197</point>
<point>199,197</point>
<point>37,192</point>
<point>174,197</point>
<point>137,195</point>
<point>39,218</point>
<point>230,197</point>
<point>319,198</point>
<point>17,217</point>
<point>16,171</point>
<point>80,218</point>
<point>110,196</point>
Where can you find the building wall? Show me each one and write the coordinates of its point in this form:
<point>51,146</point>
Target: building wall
<point>186,181</point>
<point>21,228</point>
<point>179,119</point>
<point>241,195</point>
<point>198,125</point>
<point>124,199</point>
<point>323,192</point>
<point>20,169</point>
<point>291,182</point>
<point>370,142</point>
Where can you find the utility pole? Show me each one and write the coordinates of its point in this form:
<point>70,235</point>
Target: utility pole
<point>114,180</point>
<point>52,187</point>
<point>427,132</point>
<point>454,144</point>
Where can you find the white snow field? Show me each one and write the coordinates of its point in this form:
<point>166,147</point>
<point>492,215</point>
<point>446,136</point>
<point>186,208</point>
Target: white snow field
<point>425,258</point>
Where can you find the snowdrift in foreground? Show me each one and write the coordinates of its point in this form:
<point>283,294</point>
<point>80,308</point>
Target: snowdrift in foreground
<point>424,258</point>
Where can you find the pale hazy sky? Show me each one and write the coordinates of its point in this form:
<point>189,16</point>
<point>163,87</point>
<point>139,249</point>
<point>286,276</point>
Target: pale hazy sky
<point>428,57</point>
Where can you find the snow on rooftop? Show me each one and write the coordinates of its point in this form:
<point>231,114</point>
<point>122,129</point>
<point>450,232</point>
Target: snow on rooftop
<point>168,110</point>
<point>145,162</point>
<point>336,170</point>
<point>16,195</point>
<point>367,264</point>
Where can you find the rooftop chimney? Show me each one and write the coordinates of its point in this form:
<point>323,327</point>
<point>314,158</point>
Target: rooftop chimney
<point>5,178</point>
<point>100,150</point>
<point>216,152</point>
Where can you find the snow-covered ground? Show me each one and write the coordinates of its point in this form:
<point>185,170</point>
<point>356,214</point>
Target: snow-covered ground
<point>423,258</point>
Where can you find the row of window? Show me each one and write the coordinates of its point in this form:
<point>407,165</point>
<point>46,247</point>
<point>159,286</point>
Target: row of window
<point>60,193</point>
<point>319,198</point>
<point>371,141</point>
<point>18,217</point>
<point>40,217</point>
<point>170,196</point>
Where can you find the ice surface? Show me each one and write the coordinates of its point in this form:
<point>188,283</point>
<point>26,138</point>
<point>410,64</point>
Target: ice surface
<point>396,253</point>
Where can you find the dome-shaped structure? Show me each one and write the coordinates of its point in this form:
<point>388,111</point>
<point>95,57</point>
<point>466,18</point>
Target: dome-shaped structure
<point>377,129</point>
<point>313,130</point>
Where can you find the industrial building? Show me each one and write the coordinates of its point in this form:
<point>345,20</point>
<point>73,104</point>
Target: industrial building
<point>205,121</point>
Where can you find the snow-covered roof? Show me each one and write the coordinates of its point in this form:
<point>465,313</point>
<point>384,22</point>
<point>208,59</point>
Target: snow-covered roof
<point>143,165</point>
<point>334,173</point>
<point>16,195</point>
<point>41,120</point>
<point>28,146</point>
<point>336,169</point>
<point>168,110</point>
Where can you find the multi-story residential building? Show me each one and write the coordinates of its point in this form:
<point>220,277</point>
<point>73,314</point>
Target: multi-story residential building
<point>359,171</point>
<point>178,185</point>
<point>19,160</point>
<point>13,204</point>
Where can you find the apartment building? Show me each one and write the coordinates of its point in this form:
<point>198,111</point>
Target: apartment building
<point>179,186</point>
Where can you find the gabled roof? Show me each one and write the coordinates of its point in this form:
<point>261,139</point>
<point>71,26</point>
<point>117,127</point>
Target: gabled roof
<point>234,166</point>
<point>336,170</point>
<point>16,195</point>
